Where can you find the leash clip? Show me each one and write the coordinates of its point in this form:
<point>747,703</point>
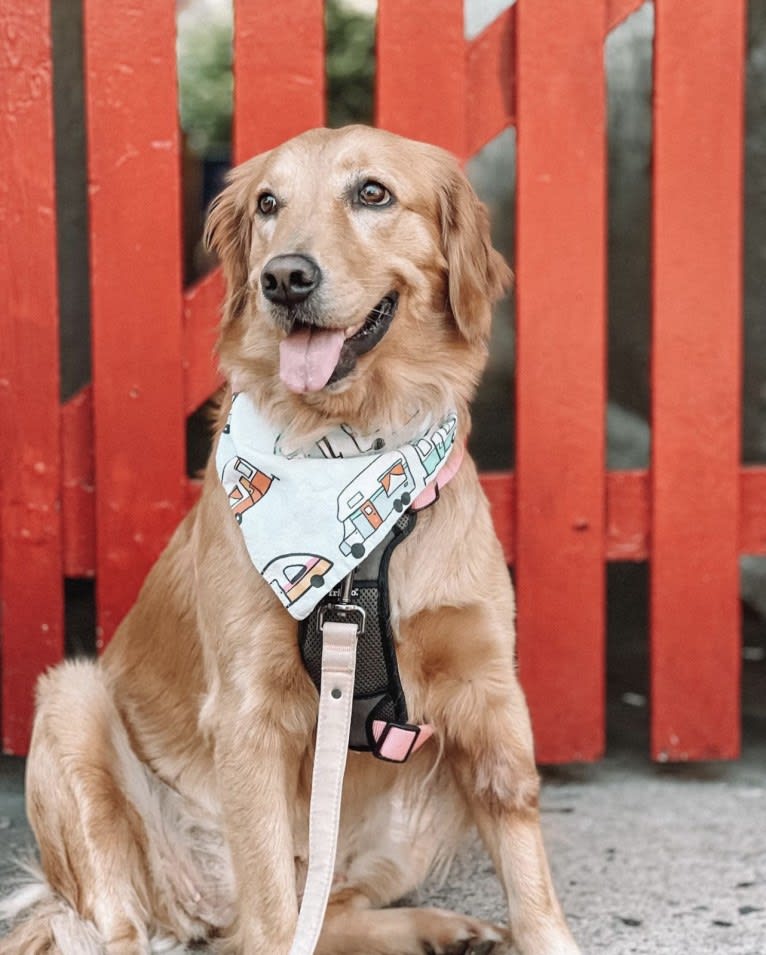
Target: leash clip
<point>344,611</point>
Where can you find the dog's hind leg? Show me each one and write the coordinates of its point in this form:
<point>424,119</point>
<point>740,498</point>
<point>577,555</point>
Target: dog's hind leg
<point>87,804</point>
<point>51,926</point>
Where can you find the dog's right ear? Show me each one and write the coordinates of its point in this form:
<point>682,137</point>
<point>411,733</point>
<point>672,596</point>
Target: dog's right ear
<point>477,274</point>
<point>228,232</point>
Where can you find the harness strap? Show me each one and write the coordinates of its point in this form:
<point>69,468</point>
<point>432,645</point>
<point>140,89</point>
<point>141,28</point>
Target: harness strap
<point>335,700</point>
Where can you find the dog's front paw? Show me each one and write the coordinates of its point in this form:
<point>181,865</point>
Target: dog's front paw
<point>473,946</point>
<point>448,933</point>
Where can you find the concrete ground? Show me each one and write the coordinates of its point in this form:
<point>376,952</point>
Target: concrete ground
<point>661,861</point>
<point>658,860</point>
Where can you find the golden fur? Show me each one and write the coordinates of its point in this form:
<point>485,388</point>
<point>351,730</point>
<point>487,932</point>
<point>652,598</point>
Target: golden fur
<point>168,784</point>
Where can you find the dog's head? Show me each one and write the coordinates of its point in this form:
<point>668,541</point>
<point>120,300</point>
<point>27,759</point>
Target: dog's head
<point>360,277</point>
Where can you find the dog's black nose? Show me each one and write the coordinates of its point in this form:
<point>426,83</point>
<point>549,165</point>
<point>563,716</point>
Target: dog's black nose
<point>290,279</point>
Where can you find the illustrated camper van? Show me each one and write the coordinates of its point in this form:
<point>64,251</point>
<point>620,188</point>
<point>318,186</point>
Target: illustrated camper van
<point>383,487</point>
<point>434,449</point>
<point>244,484</point>
<point>293,574</point>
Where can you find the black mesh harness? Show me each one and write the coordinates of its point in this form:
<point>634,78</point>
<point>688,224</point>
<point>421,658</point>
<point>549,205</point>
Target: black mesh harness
<point>378,694</point>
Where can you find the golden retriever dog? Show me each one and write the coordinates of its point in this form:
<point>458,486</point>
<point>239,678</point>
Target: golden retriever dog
<point>168,784</point>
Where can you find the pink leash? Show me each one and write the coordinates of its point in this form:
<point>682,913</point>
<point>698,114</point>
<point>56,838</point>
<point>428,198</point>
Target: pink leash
<point>396,743</point>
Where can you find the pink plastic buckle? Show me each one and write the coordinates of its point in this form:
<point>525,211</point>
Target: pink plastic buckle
<point>395,742</point>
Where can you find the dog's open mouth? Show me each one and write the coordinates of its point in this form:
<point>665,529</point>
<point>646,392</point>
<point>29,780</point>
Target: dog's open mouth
<point>311,357</point>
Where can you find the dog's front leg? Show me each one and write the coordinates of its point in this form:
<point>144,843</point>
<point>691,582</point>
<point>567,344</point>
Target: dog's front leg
<point>257,768</point>
<point>259,714</point>
<point>511,832</point>
<point>475,700</point>
<point>497,775</point>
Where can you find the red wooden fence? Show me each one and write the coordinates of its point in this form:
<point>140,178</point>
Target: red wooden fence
<point>540,66</point>
<point>31,562</point>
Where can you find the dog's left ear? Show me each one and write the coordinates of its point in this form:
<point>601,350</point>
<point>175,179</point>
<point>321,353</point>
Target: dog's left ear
<point>478,274</point>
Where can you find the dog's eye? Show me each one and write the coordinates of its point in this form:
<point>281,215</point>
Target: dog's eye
<point>374,194</point>
<point>267,204</point>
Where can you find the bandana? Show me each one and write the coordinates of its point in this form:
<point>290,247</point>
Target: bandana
<point>310,516</point>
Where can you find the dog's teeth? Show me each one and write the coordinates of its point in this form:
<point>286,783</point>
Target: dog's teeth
<point>354,329</point>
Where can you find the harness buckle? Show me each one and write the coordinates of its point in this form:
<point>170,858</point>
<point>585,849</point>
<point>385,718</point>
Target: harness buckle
<point>344,611</point>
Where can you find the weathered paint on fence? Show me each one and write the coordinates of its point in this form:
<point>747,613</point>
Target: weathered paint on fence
<point>696,377</point>
<point>279,73</point>
<point>561,516</point>
<point>420,89</point>
<point>136,282</point>
<point>31,584</point>
<point>561,373</point>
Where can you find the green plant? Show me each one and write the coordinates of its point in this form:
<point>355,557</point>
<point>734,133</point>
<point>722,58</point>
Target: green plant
<point>350,64</point>
<point>206,85</point>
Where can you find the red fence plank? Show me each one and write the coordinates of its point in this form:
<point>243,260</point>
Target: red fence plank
<point>134,166</point>
<point>697,236</point>
<point>561,514</point>
<point>31,591</point>
<point>279,72</point>
<point>561,373</point>
<point>490,81</point>
<point>628,512</point>
<point>421,54</point>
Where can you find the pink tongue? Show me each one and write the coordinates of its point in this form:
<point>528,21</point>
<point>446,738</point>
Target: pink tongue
<point>307,358</point>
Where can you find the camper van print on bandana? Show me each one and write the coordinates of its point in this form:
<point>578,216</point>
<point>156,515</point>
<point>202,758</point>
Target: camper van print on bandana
<point>309,517</point>
<point>434,448</point>
<point>291,575</point>
<point>244,484</point>
<point>384,488</point>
